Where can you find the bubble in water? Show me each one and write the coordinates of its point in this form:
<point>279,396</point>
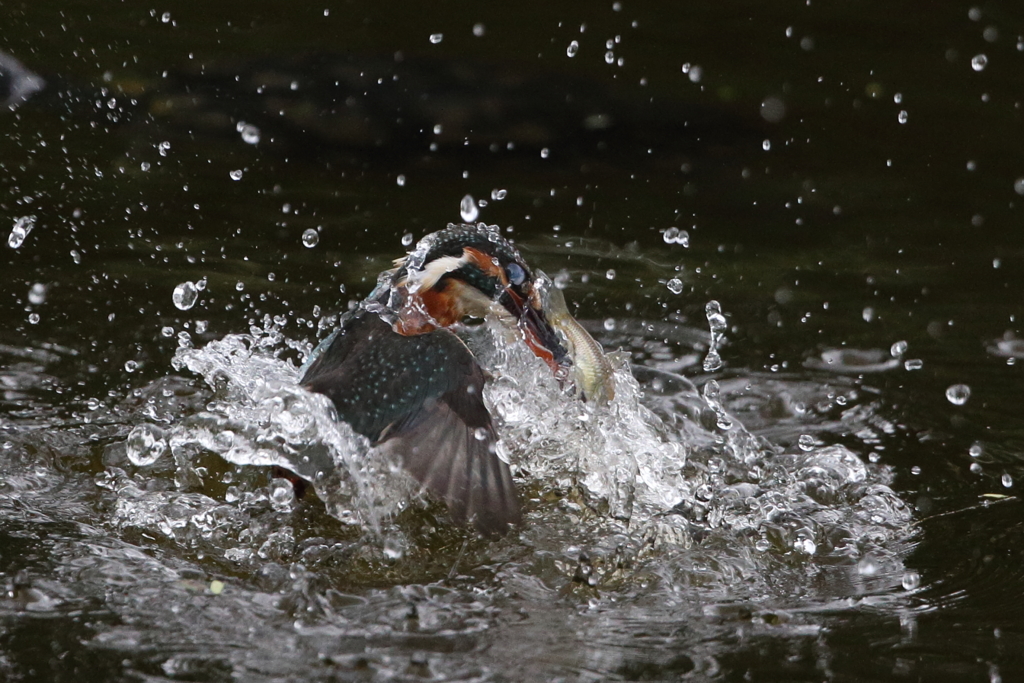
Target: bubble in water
<point>675,285</point>
<point>37,294</point>
<point>184,296</point>
<point>436,38</point>
<point>22,227</point>
<point>806,442</point>
<point>911,580</point>
<point>468,209</point>
<point>573,48</point>
<point>310,238</point>
<point>236,174</point>
<point>979,62</point>
<point>407,239</point>
<point>898,349</point>
<point>958,394</point>
<point>250,133</point>
<point>145,445</point>
<point>1007,480</point>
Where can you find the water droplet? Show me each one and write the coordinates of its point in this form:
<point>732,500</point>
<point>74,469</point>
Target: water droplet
<point>394,547</point>
<point>573,48</point>
<point>436,38</point>
<point>165,17</point>
<point>975,450</point>
<point>975,468</point>
<point>282,494</point>
<point>145,166</point>
<point>468,209</point>
<point>167,331</point>
<point>498,194</point>
<point>400,180</point>
<point>903,116</point>
<point>33,318</point>
<point>675,285</point>
<point>913,364</point>
<point>958,394</point>
<point>609,324</point>
<point>310,238</point>
<point>236,174</point>
<point>806,442</point>
<point>609,57</point>
<point>479,30</point>
<point>407,239</point>
<point>250,133</point>
<point>545,153</point>
<point>868,314</point>
<point>201,326</point>
<point>131,366</point>
<point>979,62</point>
<point>37,294</point>
<point>1018,186</point>
<point>674,236</point>
<point>911,580</point>
<point>480,434</point>
<point>897,98</point>
<point>1007,480</point>
<point>610,274</point>
<point>716,321</point>
<point>22,227</point>
<point>184,296</point>
<point>898,349</point>
<point>766,145</point>
<point>145,445</point>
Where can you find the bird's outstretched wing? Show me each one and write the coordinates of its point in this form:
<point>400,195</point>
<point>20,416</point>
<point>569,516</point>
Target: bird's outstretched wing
<point>421,397</point>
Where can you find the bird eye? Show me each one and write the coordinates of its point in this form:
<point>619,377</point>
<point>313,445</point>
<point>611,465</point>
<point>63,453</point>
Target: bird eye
<point>516,274</point>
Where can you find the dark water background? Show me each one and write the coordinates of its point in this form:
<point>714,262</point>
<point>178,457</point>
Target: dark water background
<point>850,175</point>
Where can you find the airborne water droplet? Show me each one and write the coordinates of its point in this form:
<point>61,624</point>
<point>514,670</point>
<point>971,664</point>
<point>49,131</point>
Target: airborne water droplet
<point>145,445</point>
<point>236,174</point>
<point>675,285</point>
<point>979,62</point>
<point>407,239</point>
<point>436,38</point>
<point>468,209</point>
<point>573,48</point>
<point>22,227</point>
<point>958,394</point>
<point>184,296</point>
<point>310,238</point>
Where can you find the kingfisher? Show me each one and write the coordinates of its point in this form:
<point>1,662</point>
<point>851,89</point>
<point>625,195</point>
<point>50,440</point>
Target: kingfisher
<point>398,373</point>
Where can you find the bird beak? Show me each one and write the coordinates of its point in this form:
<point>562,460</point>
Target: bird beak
<point>537,331</point>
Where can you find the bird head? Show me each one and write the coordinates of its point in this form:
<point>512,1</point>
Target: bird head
<point>471,271</point>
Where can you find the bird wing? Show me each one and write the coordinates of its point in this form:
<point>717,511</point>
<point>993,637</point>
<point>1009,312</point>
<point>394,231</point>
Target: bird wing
<point>421,397</point>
